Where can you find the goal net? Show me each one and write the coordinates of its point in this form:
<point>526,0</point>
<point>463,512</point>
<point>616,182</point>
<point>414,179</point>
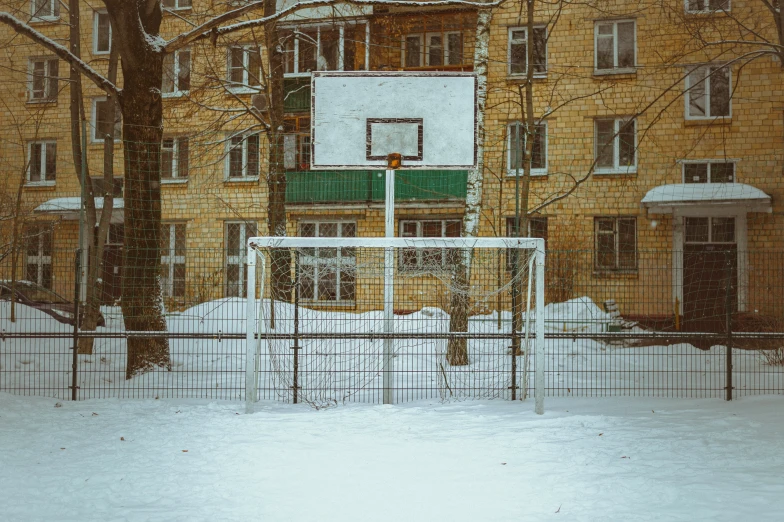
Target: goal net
<point>390,320</point>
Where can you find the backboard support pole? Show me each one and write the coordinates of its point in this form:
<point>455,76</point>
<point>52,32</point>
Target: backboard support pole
<point>389,289</point>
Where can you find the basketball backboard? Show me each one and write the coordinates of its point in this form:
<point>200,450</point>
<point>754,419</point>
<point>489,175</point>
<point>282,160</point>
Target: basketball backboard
<point>358,118</point>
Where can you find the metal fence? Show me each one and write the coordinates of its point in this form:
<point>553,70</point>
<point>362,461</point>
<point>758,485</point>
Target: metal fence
<point>660,326</point>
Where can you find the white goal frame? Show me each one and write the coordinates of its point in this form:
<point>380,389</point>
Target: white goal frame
<point>388,245</point>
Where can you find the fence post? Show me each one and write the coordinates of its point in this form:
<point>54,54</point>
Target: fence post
<point>296,327</point>
<point>75,358</point>
<point>728,325</point>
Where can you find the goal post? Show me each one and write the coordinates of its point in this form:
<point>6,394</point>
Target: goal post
<point>369,318</point>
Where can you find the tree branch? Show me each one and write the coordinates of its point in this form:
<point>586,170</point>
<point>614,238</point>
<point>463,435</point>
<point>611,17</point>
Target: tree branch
<point>63,53</point>
<point>213,29</point>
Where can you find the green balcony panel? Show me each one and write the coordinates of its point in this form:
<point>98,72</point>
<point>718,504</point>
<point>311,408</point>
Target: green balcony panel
<point>297,94</point>
<point>366,185</point>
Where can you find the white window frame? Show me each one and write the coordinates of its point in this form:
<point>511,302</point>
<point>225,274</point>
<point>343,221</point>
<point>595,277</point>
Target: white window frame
<point>295,32</point>
<point>510,170</point>
<point>96,17</point>
<point>339,262</point>
<point>176,66</point>
<point>237,260</point>
<point>176,176</point>
<point>94,121</point>
<point>50,80</point>
<point>52,14</point>
<point>707,76</point>
<point>177,6</point>
<point>616,241</point>
<point>710,240</point>
<point>40,260</point>
<point>45,175</point>
<point>616,168</point>
<point>710,164</point>
<point>169,259</point>
<point>243,86</point>
<point>706,7</point>
<point>244,145</point>
<point>424,49</point>
<point>420,266</point>
<point>615,69</point>
<point>511,40</point>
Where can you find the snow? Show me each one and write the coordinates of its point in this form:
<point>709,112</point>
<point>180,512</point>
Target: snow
<point>613,459</point>
<point>701,192</point>
<point>73,204</point>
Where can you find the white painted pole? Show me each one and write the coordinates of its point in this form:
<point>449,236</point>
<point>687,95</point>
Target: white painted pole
<point>251,377</point>
<point>539,377</point>
<point>389,290</point>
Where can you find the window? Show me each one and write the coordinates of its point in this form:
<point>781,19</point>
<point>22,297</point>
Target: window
<point>614,46</point>
<point>244,67</point>
<point>615,243</point>
<point>242,161</point>
<point>173,259</point>
<point>177,4</point>
<point>174,158</point>
<point>101,188</point>
<point>708,172</point>
<point>433,49</point>
<point>328,274</point>
<point>42,161</point>
<point>516,149</point>
<point>44,10</point>
<point>38,258</point>
<point>102,33</point>
<point>296,144</point>
<point>329,48</point>
<point>102,121</point>
<point>237,235</point>
<point>707,6</point>
<point>615,146</point>
<point>708,93</point>
<point>42,79</point>
<point>710,230</point>
<point>518,49</point>
<point>176,72</point>
<point>537,227</point>
<point>428,257</point>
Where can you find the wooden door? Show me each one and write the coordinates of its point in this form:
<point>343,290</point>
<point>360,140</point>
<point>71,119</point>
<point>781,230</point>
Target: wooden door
<point>112,274</point>
<point>710,275</point>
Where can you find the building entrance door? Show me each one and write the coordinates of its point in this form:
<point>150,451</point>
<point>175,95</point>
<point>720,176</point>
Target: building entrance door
<point>111,289</point>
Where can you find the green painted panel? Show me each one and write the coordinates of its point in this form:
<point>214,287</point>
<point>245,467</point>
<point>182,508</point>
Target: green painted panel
<point>297,94</point>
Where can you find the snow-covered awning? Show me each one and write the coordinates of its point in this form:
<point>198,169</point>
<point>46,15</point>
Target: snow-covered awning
<point>663,199</point>
<point>68,208</point>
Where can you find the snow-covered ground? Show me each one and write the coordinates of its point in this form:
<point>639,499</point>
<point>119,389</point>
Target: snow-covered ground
<point>619,459</point>
<point>344,370</point>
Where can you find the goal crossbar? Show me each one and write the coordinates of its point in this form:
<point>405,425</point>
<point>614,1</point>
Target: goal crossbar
<point>257,244</point>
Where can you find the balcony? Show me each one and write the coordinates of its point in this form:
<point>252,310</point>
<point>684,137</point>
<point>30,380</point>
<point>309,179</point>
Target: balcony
<point>369,185</point>
<point>297,94</point>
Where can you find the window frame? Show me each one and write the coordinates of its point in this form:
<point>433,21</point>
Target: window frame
<point>243,87</point>
<point>170,259</point>
<point>175,77</point>
<point>41,234</point>
<point>706,8</point>
<point>51,81</point>
<point>710,240</point>
<point>176,159</point>
<point>244,176</point>
<point>424,50</point>
<point>615,69</point>
<point>706,82</point>
<point>240,259</point>
<point>510,41</point>
<point>616,268</point>
<point>510,228</point>
<point>340,261</point>
<point>419,265</point>
<point>538,171</point>
<point>47,178</point>
<point>616,168</point>
<point>709,164</point>
<point>94,121</point>
<point>96,24</point>
<point>54,12</point>
<point>177,6</point>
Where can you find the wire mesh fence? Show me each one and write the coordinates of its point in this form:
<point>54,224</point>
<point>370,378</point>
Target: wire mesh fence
<point>660,328</point>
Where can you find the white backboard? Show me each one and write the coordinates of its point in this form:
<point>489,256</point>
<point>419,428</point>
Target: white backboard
<point>358,118</point>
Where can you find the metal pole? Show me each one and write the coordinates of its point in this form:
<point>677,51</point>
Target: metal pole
<point>539,378</point>
<point>389,290</point>
<point>75,359</point>
<point>728,325</point>
<point>85,249</point>
<point>295,383</point>
<point>251,386</point>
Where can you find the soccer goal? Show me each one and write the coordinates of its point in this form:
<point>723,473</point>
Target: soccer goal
<point>337,319</point>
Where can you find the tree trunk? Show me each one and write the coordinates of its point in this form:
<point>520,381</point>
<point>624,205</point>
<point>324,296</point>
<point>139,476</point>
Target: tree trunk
<point>457,348</point>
